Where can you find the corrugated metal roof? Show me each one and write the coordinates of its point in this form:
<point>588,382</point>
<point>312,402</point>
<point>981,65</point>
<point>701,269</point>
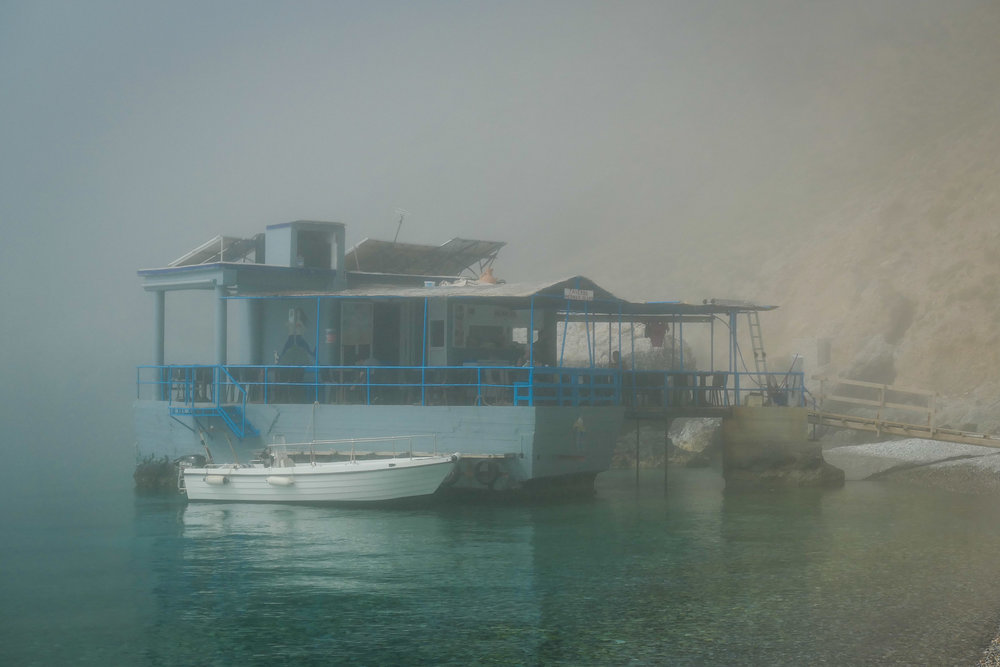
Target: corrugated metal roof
<point>576,288</point>
<point>472,288</point>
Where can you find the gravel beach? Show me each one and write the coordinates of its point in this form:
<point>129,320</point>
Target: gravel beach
<point>958,468</point>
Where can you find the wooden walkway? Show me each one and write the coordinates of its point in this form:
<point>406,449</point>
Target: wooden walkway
<point>887,402</point>
<point>883,404</point>
<point>884,427</point>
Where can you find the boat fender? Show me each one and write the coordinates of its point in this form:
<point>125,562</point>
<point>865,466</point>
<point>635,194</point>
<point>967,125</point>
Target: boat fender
<point>451,477</point>
<point>487,473</point>
<point>280,480</point>
<point>216,480</point>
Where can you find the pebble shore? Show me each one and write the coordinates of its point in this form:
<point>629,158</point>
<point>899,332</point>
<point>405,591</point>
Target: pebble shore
<point>991,656</point>
<point>955,467</point>
<point>959,468</point>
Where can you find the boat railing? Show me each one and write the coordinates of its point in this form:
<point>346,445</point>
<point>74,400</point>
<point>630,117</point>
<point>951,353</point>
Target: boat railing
<point>393,446</point>
<point>240,384</point>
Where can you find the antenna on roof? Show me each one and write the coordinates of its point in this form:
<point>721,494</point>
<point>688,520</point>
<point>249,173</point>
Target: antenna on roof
<point>402,214</point>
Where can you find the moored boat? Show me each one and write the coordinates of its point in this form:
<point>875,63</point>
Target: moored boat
<point>352,481</point>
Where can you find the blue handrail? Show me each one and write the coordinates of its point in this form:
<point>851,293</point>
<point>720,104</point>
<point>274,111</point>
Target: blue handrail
<point>230,381</point>
<point>206,386</point>
<point>202,391</point>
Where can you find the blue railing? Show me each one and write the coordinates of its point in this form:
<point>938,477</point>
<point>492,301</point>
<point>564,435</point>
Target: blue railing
<point>231,402</point>
<point>219,387</point>
<point>705,389</point>
<point>182,385</point>
<point>200,390</point>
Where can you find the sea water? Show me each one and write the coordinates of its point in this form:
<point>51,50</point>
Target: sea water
<point>874,573</point>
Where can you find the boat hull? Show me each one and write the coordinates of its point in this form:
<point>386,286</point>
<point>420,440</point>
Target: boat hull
<point>341,482</point>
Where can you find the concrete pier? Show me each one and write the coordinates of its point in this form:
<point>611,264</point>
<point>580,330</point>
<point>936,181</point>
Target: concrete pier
<point>769,447</point>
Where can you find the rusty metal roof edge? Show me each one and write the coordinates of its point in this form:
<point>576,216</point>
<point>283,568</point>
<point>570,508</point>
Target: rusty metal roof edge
<point>464,288</point>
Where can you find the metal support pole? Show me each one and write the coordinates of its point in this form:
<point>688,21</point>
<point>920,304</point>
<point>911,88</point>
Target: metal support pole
<point>680,340</point>
<point>711,347</point>
<point>423,360</point>
<point>635,382</point>
<point>609,341</point>
<point>673,343</point>
<point>618,368</point>
<point>531,334</point>
<point>586,324</point>
<point>562,350</point>
<point>316,378</point>
<point>733,352</point>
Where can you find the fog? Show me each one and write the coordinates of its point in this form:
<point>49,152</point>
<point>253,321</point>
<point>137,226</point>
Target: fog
<point>608,139</point>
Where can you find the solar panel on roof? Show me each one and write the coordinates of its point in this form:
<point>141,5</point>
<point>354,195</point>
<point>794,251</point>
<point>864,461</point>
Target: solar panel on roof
<point>448,259</point>
<point>218,249</point>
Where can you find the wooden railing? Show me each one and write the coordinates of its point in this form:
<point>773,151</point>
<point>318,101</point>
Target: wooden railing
<point>879,398</point>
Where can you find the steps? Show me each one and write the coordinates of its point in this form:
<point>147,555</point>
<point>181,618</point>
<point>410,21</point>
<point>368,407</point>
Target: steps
<point>233,416</point>
<point>237,422</point>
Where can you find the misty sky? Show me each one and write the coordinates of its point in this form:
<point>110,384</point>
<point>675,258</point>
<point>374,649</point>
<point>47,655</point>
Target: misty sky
<point>131,132</point>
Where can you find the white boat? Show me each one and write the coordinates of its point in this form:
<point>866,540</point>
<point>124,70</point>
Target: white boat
<point>354,481</point>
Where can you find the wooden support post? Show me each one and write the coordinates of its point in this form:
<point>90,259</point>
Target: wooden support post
<point>931,420</point>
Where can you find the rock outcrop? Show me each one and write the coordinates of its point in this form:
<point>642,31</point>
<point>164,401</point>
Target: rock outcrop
<point>692,443</point>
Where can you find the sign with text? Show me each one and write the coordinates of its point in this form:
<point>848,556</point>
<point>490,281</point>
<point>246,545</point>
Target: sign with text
<point>578,294</point>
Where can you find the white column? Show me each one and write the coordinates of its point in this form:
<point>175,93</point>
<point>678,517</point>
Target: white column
<point>159,317</point>
<point>254,328</point>
<point>221,305</point>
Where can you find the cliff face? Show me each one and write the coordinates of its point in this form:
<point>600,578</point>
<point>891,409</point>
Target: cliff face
<point>905,283</point>
<point>885,237</point>
<point>904,280</point>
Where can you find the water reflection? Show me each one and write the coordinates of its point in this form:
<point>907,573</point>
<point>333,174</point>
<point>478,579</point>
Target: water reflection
<point>870,574</point>
<point>370,585</point>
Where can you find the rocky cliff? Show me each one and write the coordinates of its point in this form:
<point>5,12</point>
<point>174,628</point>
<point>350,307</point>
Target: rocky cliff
<point>887,244</point>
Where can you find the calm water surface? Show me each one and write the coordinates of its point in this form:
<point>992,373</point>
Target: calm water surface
<point>870,574</point>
